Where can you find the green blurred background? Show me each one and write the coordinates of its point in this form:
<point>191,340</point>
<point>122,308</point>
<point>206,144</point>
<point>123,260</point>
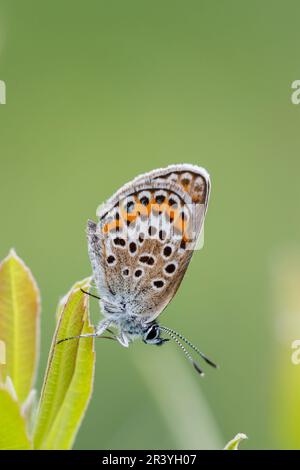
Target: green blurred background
<point>98,92</point>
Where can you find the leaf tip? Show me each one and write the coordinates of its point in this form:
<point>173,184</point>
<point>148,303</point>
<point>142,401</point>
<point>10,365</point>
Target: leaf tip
<point>234,443</point>
<point>12,254</point>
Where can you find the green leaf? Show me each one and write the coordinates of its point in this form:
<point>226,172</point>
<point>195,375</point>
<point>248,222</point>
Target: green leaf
<point>234,443</point>
<point>12,424</point>
<point>61,304</point>
<point>19,324</point>
<point>68,381</point>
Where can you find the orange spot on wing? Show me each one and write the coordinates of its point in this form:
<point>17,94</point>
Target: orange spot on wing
<point>185,184</point>
<point>115,224</point>
<point>173,213</point>
<point>142,210</point>
<point>180,225</point>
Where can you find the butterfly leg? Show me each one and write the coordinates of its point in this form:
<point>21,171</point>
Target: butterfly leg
<point>123,340</point>
<point>121,337</point>
<point>103,325</point>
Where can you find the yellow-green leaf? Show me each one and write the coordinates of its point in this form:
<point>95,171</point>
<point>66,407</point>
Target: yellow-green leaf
<point>68,381</point>
<point>19,323</point>
<point>12,424</point>
<point>63,301</point>
<point>234,443</point>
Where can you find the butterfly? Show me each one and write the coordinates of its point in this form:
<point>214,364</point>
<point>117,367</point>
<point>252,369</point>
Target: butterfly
<point>140,249</point>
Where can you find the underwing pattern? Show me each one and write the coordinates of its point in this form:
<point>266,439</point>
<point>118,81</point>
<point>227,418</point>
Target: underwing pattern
<point>143,242</point>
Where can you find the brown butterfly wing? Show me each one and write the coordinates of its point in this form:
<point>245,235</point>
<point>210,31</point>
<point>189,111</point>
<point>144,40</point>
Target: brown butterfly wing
<point>145,238</point>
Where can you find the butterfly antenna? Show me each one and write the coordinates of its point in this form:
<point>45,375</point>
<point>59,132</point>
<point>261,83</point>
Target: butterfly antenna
<point>88,335</point>
<point>91,295</point>
<point>201,354</point>
<point>187,354</point>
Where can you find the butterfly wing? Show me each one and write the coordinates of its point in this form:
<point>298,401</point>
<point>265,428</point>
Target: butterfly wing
<point>145,238</point>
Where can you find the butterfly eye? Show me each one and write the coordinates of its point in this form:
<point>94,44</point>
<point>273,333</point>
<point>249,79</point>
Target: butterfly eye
<point>152,333</point>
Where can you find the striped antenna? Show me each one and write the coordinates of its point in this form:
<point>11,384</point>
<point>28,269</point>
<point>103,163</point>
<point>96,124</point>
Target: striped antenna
<point>195,365</point>
<point>201,354</point>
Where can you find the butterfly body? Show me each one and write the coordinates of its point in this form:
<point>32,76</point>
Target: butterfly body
<point>142,245</point>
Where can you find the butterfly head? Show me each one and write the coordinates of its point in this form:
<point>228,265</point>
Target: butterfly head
<point>152,335</point>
